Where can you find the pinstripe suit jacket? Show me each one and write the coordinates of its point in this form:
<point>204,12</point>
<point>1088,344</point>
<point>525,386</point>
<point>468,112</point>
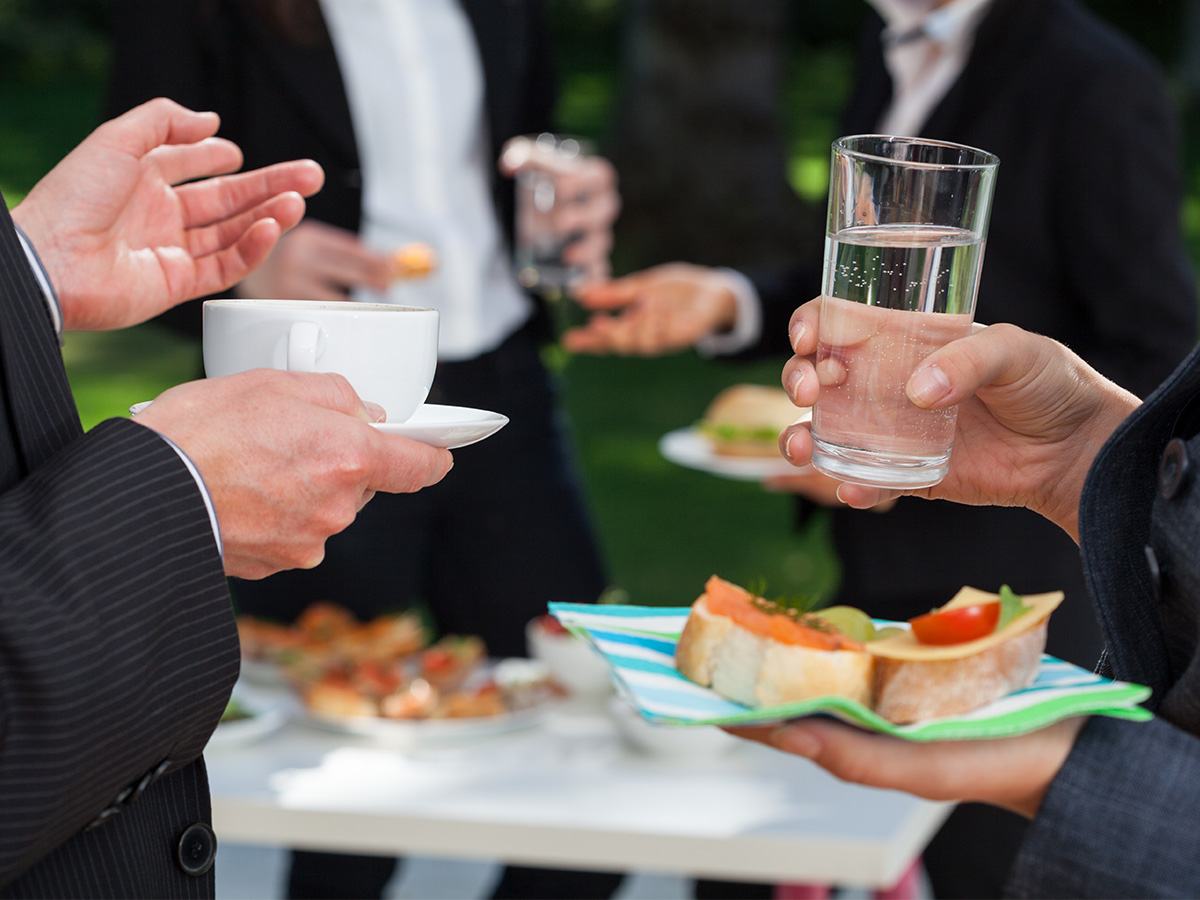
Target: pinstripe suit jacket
<point>117,642</point>
<point>1122,819</point>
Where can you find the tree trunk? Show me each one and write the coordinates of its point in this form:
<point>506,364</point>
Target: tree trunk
<point>698,138</point>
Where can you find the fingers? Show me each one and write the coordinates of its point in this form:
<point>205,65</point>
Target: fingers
<point>612,294</point>
<point>178,163</point>
<point>802,329</point>
<point>997,354</point>
<point>632,334</point>
<point>219,270</point>
<point>795,443</point>
<point>215,199</point>
<point>799,379</point>
<point>861,496</point>
<point>590,251</point>
<point>405,465</point>
<point>156,122</point>
<point>286,209</point>
<point>1013,773</point>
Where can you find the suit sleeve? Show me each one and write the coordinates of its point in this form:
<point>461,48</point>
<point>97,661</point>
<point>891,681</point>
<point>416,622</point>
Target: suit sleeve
<point>118,647</point>
<point>1120,820</point>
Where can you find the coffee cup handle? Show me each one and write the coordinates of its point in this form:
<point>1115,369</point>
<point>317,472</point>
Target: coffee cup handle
<point>302,346</point>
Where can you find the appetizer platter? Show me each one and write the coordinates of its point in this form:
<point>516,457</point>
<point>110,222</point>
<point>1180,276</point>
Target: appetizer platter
<point>738,435</point>
<point>972,669</point>
<point>384,679</point>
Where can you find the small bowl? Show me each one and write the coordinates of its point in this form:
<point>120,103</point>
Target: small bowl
<point>574,663</point>
<point>696,742</point>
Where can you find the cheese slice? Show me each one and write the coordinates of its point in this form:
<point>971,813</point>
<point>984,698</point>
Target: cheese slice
<point>905,646</point>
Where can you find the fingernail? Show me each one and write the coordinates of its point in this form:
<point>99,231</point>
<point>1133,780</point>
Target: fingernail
<point>795,334</point>
<point>375,411</point>
<point>794,382</point>
<point>786,447</point>
<point>795,740</point>
<point>928,386</point>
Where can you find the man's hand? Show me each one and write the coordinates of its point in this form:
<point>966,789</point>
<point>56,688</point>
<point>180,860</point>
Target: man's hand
<point>1012,773</point>
<point>1032,416</point>
<point>289,459</point>
<point>660,310</point>
<point>587,202</point>
<point>134,221</point>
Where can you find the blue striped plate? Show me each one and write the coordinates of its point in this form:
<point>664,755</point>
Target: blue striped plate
<point>638,642</point>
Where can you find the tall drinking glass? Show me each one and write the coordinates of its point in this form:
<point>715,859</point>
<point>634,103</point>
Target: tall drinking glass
<point>540,239</point>
<point>903,252</point>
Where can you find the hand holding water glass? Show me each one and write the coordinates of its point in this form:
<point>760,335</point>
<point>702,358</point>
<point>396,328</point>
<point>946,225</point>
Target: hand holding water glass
<point>566,202</point>
<point>903,254</point>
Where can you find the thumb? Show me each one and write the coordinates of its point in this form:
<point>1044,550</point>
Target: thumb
<point>993,354</point>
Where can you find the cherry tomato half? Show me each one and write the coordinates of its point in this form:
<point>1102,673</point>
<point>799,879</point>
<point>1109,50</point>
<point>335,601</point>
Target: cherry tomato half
<point>958,625</point>
<point>551,625</point>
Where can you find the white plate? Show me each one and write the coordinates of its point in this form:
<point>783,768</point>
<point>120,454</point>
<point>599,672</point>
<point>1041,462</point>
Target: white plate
<point>447,426</point>
<point>263,720</point>
<point>450,427</point>
<point>688,447</point>
<point>262,672</point>
<point>407,732</point>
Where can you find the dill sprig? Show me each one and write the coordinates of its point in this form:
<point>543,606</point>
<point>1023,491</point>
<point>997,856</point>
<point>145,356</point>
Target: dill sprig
<point>797,606</point>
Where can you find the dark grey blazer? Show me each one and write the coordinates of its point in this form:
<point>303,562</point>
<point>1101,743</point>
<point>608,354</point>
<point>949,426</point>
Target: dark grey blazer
<point>117,643</point>
<point>1122,818</point>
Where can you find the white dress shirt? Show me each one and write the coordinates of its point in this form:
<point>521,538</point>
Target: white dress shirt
<point>925,50</point>
<point>415,86</point>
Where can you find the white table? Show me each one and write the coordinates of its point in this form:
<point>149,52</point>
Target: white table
<point>568,793</point>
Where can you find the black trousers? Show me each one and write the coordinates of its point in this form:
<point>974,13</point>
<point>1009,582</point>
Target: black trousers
<point>485,551</point>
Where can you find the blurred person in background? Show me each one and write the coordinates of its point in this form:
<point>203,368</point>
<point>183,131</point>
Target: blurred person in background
<point>408,104</point>
<point>1084,246</point>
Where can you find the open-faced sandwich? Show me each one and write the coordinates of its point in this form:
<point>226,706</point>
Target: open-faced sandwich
<point>745,420</point>
<point>758,652</point>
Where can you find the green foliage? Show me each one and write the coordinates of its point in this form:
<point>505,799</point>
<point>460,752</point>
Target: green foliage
<point>665,529</point>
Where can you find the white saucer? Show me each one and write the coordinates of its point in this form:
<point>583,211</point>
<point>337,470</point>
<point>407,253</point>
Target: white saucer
<point>689,448</point>
<point>447,426</point>
<point>450,427</point>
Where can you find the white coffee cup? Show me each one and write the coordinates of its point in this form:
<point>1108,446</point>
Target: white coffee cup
<point>388,353</point>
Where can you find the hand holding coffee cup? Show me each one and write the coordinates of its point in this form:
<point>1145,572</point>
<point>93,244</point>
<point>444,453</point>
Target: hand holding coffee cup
<point>388,353</point>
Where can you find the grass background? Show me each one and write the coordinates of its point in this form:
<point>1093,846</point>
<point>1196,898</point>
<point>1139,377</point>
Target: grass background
<point>664,529</point>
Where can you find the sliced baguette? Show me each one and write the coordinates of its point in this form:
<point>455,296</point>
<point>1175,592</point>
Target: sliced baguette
<point>753,670</point>
<point>914,690</point>
<point>915,682</point>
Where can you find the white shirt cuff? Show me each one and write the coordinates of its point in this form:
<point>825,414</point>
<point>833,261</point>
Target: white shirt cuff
<point>747,326</point>
<point>43,280</point>
<point>208,504</point>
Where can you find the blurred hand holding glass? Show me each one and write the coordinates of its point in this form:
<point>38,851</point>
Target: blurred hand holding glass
<point>541,235</point>
<point>903,253</point>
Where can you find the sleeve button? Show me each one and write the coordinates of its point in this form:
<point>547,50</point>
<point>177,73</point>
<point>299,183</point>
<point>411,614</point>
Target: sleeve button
<point>197,849</point>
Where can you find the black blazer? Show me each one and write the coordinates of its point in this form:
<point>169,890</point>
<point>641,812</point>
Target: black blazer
<point>1084,246</point>
<point>118,648</point>
<point>282,100</point>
